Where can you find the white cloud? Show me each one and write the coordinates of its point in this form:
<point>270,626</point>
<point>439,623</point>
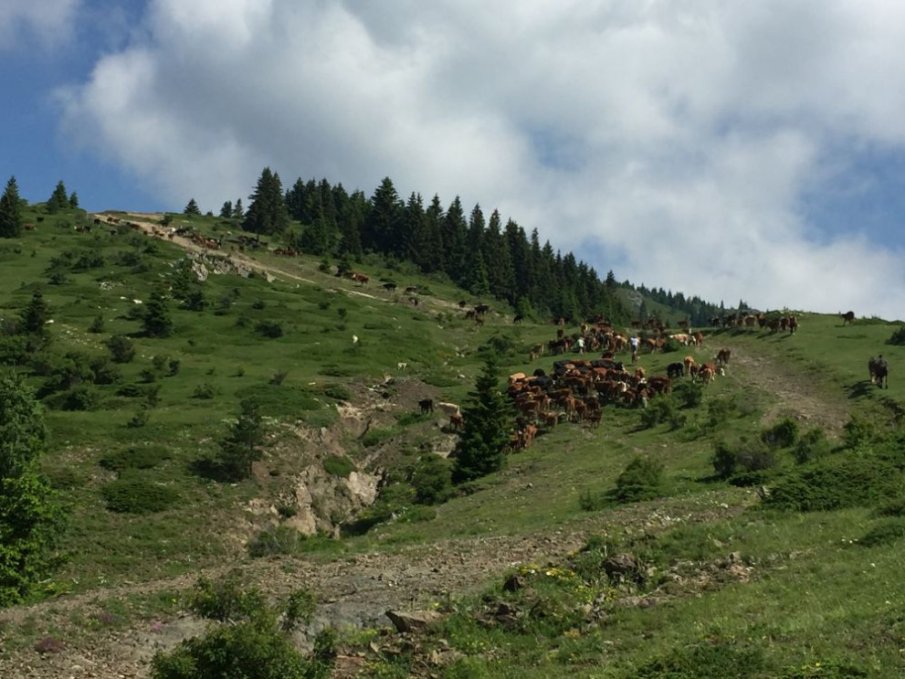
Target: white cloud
<point>678,134</point>
<point>51,21</point>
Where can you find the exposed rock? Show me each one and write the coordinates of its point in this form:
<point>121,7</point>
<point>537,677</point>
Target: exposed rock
<point>412,621</point>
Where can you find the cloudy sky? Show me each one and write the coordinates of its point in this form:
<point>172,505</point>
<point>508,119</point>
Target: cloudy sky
<point>731,150</point>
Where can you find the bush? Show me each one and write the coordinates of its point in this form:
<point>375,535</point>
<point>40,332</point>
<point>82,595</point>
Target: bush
<point>837,483</point>
<point>642,479</point>
<point>136,457</point>
<point>898,336</point>
<point>689,394</point>
<point>137,496</point>
<point>742,457</point>
<point>76,399</point>
<point>270,329</point>
<point>339,465</point>
<point>275,540</point>
<point>811,446</point>
<point>225,599</point>
<point>432,480</point>
<point>121,348</point>
<point>662,409</point>
<point>337,392</point>
<point>783,434</point>
<point>204,391</point>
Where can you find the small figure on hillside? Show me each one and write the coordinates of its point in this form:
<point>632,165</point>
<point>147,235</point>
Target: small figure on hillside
<point>580,345</point>
<point>634,342</point>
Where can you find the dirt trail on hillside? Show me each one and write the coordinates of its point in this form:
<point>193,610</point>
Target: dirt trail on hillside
<point>351,590</point>
<point>148,223</point>
<point>795,394</point>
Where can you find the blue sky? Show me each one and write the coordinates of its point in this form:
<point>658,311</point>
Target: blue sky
<point>727,150</point>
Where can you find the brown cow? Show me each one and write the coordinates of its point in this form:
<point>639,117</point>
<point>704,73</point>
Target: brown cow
<point>722,357</point>
<point>848,317</point>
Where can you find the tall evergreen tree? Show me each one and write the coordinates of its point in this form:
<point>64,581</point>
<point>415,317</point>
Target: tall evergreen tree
<point>59,199</point>
<point>226,211</point>
<point>10,211</point>
<point>242,446</point>
<point>454,234</point>
<point>488,421</point>
<point>351,221</point>
<point>238,211</point>
<point>35,315</point>
<point>73,200</point>
<point>383,224</point>
<point>157,321</point>
<point>192,209</point>
<point>267,214</point>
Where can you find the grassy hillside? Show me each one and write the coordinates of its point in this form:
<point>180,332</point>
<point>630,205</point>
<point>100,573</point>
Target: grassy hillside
<point>715,575</point>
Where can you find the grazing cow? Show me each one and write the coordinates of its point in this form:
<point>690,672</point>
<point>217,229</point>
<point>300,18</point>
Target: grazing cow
<point>722,357</point>
<point>690,364</point>
<point>706,373</point>
<point>456,421</point>
<point>879,371</point>
<point>518,318</point>
<point>481,309</point>
<point>847,317</point>
<point>359,278</point>
<point>675,370</point>
<point>793,324</point>
<point>448,409</point>
<point>426,405</point>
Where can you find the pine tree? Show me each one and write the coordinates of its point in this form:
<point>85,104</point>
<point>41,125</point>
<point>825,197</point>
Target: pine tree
<point>59,200</point>
<point>34,317</point>
<point>73,200</point>
<point>267,213</point>
<point>238,211</point>
<point>488,421</point>
<point>382,227</point>
<point>156,320</point>
<point>192,209</point>
<point>30,519</point>
<point>242,446</point>
<point>10,211</point>
<point>226,211</point>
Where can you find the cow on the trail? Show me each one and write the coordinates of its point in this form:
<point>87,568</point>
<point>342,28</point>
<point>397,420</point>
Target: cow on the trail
<point>848,317</point>
<point>879,371</point>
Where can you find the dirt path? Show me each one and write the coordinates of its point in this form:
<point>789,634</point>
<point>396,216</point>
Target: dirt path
<point>794,393</point>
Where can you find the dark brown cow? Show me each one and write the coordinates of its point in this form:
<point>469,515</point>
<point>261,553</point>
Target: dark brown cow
<point>848,317</point>
<point>722,357</point>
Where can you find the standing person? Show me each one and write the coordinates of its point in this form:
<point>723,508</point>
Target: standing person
<point>634,342</point>
<point>581,345</point>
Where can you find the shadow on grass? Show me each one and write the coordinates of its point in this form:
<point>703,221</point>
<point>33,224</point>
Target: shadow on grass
<point>861,389</point>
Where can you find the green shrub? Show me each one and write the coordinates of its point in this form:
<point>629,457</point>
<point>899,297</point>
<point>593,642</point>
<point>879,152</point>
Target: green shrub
<point>898,336</point>
<point>270,329</point>
<point>137,496</point>
<point>226,599</point>
<point>744,456</point>
<point>135,457</point>
<point>689,394</point>
<point>417,514</point>
<point>121,348</point>
<point>783,434</point>
<point>338,392</point>
<point>590,501</point>
<point>339,465</point>
<point>432,480</point>
<point>719,410</point>
<point>662,409</point>
<point>642,479</point>
<point>812,445</point>
<point>204,391</point>
<point>275,540</point>
<point>76,399</point>
<point>837,483</point>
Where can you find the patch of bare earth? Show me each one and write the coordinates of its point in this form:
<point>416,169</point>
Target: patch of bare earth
<point>794,394</point>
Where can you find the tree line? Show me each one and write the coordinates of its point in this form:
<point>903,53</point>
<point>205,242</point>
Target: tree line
<point>482,254</point>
